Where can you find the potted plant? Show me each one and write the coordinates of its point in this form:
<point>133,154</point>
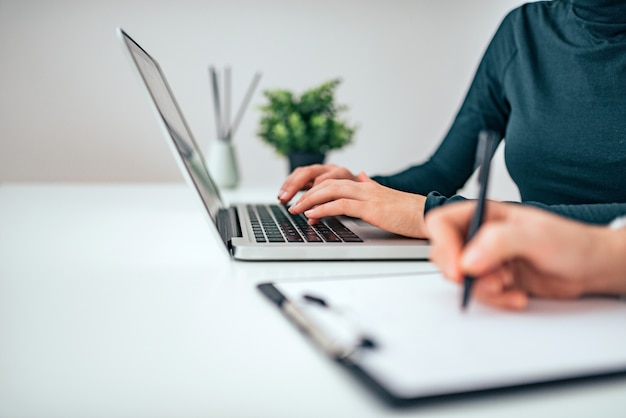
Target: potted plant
<point>305,127</point>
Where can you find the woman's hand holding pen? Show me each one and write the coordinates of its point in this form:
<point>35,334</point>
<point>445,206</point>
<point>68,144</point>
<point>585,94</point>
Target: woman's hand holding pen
<point>521,252</point>
<point>363,198</point>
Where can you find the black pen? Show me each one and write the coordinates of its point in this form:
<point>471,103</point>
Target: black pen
<point>487,142</point>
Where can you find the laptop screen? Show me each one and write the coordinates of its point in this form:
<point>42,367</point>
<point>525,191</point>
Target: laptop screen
<point>175,126</point>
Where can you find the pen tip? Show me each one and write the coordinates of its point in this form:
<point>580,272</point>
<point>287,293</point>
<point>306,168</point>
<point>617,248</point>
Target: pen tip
<point>466,295</point>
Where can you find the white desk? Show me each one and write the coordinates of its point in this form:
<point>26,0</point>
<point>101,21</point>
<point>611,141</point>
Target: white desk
<point>115,301</point>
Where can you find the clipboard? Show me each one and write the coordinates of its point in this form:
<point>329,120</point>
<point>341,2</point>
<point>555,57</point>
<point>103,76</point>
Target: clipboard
<point>405,337</point>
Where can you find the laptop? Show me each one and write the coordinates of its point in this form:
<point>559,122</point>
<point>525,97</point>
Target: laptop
<point>262,231</point>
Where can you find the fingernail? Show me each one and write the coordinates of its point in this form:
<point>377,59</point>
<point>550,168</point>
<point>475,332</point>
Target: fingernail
<point>294,207</point>
<point>519,302</point>
<point>452,272</point>
<point>282,194</point>
<point>469,258</point>
<point>309,213</point>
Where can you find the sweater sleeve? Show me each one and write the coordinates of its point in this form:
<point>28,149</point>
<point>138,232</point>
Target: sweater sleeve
<point>485,107</point>
<point>595,213</point>
<point>435,199</point>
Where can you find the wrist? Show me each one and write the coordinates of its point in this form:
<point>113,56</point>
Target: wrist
<point>607,273</point>
<point>420,211</point>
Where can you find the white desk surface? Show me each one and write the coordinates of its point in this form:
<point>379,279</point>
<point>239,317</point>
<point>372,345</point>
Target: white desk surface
<point>115,301</point>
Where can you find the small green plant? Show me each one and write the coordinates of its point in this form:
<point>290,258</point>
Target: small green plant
<point>309,122</point>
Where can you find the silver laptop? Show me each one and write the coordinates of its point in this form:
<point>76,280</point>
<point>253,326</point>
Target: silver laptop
<point>262,231</point>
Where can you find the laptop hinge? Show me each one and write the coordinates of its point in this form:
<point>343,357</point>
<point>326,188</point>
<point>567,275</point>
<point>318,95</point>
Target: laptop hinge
<point>228,225</point>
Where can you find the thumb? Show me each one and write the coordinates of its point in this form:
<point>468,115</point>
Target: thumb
<point>491,248</point>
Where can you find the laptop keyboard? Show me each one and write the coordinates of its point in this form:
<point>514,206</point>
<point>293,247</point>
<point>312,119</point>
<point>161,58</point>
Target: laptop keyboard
<point>272,223</point>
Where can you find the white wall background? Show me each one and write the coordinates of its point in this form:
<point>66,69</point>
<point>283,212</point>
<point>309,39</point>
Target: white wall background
<point>71,108</point>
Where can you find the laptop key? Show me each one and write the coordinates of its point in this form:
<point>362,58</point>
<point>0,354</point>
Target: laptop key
<point>341,230</point>
<point>326,233</point>
<point>272,223</point>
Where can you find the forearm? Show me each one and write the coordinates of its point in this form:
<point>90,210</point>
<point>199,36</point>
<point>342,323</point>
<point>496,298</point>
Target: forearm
<point>422,179</point>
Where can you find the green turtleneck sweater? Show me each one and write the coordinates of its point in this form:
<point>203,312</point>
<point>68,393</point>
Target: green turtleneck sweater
<point>552,82</point>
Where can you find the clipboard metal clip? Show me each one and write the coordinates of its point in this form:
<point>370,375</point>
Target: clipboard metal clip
<point>328,327</point>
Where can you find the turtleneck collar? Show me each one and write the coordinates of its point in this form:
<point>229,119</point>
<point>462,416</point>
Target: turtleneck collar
<point>600,11</point>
